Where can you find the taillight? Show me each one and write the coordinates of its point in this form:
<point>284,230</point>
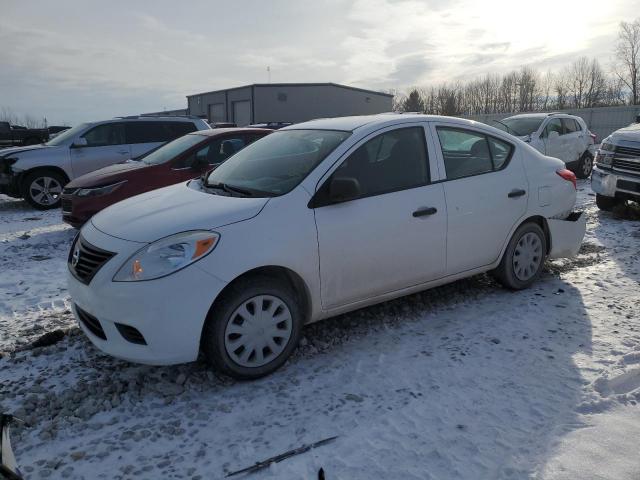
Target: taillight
<point>569,176</point>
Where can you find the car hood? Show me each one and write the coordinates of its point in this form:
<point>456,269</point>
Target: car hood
<point>18,151</point>
<point>110,174</point>
<point>178,208</point>
<point>630,134</point>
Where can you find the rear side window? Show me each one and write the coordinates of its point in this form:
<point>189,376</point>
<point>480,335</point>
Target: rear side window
<point>392,161</point>
<point>154,132</point>
<point>569,125</point>
<point>468,153</point>
<point>105,134</point>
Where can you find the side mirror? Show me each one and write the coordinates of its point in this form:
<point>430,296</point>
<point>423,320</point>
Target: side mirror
<point>80,142</point>
<point>343,189</point>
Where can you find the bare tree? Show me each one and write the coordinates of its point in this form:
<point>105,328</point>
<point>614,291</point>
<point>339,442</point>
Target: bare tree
<point>627,53</point>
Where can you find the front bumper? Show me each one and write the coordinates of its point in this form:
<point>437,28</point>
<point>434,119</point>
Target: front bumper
<point>168,312</point>
<point>614,184</point>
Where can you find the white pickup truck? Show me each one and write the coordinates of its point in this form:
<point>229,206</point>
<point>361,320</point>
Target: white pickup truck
<point>616,176</point>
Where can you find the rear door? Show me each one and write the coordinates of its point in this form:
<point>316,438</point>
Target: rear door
<point>486,194</point>
<point>555,145</point>
<point>573,138</point>
<point>106,145</point>
<point>392,236</point>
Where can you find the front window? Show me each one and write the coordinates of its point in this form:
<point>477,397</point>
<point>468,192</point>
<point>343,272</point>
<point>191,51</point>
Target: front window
<point>520,127</point>
<point>277,163</point>
<point>172,149</point>
<point>67,135</point>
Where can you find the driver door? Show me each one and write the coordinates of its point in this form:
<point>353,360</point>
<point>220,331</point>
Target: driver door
<point>105,146</point>
<point>393,235</point>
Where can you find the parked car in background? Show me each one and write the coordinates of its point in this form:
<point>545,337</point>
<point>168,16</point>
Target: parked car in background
<point>14,135</point>
<point>182,159</point>
<point>38,173</point>
<point>616,176</point>
<point>222,125</point>
<point>315,220</point>
<point>558,135</point>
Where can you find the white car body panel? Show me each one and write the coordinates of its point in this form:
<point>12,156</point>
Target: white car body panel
<point>347,255</point>
<point>566,235</point>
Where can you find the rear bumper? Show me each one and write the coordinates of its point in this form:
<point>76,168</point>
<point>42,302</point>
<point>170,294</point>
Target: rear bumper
<point>614,184</point>
<point>566,235</point>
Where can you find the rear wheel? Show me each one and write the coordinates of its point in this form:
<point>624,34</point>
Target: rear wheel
<point>607,204</point>
<point>42,189</point>
<point>524,258</point>
<point>585,166</point>
<point>254,328</point>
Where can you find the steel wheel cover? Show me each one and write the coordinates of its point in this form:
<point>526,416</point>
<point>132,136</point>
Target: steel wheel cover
<point>527,256</point>
<point>258,331</point>
<point>45,190</point>
<point>587,165</point>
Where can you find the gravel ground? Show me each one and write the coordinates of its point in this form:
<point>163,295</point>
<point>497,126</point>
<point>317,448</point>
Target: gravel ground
<point>467,380</point>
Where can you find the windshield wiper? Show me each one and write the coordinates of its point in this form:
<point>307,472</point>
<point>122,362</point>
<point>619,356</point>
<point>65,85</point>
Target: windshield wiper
<point>229,188</point>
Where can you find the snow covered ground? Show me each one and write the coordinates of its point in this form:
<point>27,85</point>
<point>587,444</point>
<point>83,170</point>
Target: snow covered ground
<point>466,381</point>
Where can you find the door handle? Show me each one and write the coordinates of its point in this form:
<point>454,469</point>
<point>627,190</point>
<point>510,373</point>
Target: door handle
<point>423,212</point>
<point>516,193</point>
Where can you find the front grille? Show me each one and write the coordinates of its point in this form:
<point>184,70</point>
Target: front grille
<point>632,152</point>
<point>91,323</point>
<point>85,260</point>
<point>131,334</point>
<point>626,165</point>
<point>66,205</point>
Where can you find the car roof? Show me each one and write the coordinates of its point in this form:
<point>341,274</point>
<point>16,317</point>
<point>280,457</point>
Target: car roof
<point>380,120</point>
<point>214,132</point>
<point>542,115</point>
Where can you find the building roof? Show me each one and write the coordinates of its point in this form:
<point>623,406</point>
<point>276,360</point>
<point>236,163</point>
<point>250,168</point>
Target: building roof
<point>328,84</point>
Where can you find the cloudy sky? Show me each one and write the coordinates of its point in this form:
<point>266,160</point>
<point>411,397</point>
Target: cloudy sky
<point>73,61</point>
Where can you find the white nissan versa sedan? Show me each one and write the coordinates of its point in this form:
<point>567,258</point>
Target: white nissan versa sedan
<point>314,220</point>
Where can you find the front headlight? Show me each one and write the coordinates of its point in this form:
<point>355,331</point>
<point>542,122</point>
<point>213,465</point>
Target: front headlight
<point>98,191</point>
<point>167,255</point>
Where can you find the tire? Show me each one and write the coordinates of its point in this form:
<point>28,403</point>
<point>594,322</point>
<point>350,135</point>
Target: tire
<point>585,166</point>
<point>43,189</point>
<point>230,321</point>
<point>607,204</point>
<point>529,243</point>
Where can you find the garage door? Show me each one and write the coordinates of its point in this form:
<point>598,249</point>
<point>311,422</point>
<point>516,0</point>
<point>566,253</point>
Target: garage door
<point>242,113</point>
<point>216,113</point>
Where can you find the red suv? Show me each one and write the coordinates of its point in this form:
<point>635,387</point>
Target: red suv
<point>177,161</point>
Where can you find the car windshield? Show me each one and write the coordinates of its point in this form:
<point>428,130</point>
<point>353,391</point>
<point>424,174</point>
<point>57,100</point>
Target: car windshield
<point>520,126</point>
<point>67,134</point>
<point>277,163</point>
<point>172,149</point>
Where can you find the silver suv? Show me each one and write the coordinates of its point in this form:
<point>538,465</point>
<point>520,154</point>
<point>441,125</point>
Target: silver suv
<point>557,135</point>
<point>616,177</point>
<point>38,173</point>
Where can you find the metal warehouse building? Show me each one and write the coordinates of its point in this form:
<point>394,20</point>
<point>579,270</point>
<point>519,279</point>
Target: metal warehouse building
<point>286,102</point>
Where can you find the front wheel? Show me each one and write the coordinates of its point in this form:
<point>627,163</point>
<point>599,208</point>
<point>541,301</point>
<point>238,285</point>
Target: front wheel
<point>585,166</point>
<point>42,189</point>
<point>524,258</point>
<point>254,328</point>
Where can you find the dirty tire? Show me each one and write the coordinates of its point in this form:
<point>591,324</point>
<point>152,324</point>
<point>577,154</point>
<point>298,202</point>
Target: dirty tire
<point>585,166</point>
<point>529,242</point>
<point>34,185</point>
<point>607,204</point>
<point>225,320</point>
